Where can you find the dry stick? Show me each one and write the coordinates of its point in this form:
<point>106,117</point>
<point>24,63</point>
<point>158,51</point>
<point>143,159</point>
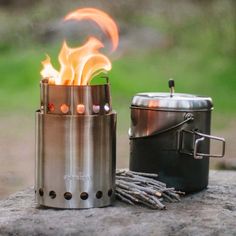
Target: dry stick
<point>162,206</point>
<point>172,195</point>
<point>134,187</point>
<point>167,197</point>
<point>153,202</point>
<point>124,199</point>
<point>146,200</point>
<point>144,174</point>
<point>127,195</point>
<point>150,181</point>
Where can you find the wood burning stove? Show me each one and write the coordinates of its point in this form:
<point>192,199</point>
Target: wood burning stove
<point>75,146</point>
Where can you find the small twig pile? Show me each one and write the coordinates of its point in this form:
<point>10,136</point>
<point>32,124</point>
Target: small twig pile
<point>141,188</point>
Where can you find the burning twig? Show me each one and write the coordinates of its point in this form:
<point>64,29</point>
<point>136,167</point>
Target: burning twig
<point>140,188</point>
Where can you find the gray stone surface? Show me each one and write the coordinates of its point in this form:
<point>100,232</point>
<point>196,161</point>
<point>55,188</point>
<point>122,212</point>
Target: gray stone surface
<point>210,212</point>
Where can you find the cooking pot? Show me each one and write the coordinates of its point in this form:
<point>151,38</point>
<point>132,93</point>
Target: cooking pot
<point>170,136</point>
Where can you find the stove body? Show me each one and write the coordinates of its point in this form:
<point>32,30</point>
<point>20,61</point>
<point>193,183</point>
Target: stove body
<point>75,147</point>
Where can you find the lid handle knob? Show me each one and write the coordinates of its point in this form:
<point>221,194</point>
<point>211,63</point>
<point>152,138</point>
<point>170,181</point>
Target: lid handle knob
<point>171,84</point>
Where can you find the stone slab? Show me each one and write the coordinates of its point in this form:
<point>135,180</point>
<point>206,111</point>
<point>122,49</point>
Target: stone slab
<point>210,212</point>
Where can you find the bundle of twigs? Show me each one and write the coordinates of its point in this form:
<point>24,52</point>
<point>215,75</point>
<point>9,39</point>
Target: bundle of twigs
<point>141,188</point>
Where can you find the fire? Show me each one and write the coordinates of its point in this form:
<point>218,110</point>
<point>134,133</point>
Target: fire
<point>79,65</point>
<point>103,20</point>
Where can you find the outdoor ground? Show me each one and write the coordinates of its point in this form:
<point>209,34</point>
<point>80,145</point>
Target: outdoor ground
<point>192,42</point>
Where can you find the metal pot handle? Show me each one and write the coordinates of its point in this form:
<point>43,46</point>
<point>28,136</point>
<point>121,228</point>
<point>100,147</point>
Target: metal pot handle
<point>188,117</point>
<point>198,139</point>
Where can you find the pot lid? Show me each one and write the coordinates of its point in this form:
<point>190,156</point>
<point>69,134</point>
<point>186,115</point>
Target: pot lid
<point>171,101</point>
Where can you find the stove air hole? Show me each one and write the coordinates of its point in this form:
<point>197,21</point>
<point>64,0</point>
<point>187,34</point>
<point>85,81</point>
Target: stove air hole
<point>80,108</point>
<point>106,107</point>
<point>41,192</point>
<point>84,196</point>
<point>109,193</point>
<point>52,194</point>
<point>67,195</point>
<point>99,194</point>
<point>96,109</point>
<point>51,107</point>
<point>64,108</point>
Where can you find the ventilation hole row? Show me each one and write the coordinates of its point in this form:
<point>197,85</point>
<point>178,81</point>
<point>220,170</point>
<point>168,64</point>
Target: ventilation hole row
<point>64,108</point>
<point>68,195</point>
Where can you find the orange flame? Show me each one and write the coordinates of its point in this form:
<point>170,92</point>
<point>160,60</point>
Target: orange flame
<point>79,65</point>
<point>103,20</point>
